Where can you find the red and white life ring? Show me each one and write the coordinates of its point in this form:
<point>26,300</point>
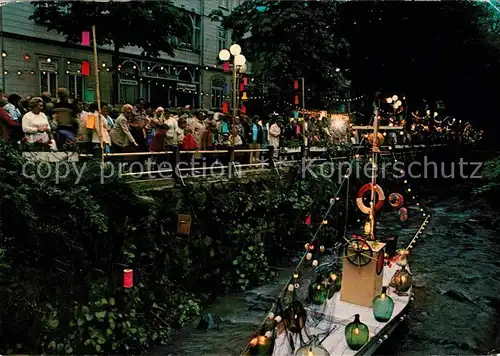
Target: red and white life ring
<point>380,195</point>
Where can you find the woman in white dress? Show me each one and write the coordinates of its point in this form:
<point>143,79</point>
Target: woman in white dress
<point>35,124</point>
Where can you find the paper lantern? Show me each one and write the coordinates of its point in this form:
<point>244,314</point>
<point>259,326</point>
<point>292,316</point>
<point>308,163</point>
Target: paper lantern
<point>85,38</point>
<point>183,224</point>
<point>295,317</point>
<point>308,220</point>
<point>356,334</point>
<point>245,81</point>
<point>295,84</point>
<point>296,100</point>
<point>244,96</point>
<point>396,200</point>
<point>382,306</point>
<point>225,66</point>
<point>243,109</point>
<point>85,68</point>
<point>242,86</point>
<point>128,278</point>
<point>225,107</point>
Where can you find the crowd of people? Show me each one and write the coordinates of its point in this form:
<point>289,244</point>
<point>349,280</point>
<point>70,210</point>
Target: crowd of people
<point>60,122</point>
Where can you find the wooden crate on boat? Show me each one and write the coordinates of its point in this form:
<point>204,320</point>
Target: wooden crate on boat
<point>361,284</point>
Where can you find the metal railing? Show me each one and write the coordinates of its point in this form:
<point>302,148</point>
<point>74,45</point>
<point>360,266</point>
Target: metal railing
<point>230,162</point>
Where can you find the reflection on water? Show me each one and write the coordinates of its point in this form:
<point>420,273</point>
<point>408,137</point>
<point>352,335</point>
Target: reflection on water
<point>456,284</point>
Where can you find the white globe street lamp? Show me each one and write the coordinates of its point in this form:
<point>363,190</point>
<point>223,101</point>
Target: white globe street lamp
<point>240,60</point>
<point>235,49</point>
<point>239,64</point>
<point>224,55</point>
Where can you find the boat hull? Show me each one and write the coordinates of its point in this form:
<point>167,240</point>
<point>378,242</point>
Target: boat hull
<point>328,322</point>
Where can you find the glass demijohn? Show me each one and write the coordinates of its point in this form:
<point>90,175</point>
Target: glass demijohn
<point>383,306</point>
<point>318,293</point>
<point>356,334</point>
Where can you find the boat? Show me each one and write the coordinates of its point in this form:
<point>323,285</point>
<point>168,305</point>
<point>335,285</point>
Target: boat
<point>351,302</point>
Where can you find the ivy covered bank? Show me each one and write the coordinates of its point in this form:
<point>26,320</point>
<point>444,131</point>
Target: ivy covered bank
<point>64,248</point>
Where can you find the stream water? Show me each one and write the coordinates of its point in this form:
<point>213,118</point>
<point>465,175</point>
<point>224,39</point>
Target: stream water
<point>456,286</point>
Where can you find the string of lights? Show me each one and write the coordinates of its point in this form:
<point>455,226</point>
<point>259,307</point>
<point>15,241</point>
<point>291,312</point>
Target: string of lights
<point>306,256</point>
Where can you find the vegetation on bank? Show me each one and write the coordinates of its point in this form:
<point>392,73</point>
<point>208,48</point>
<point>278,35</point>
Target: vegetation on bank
<point>64,247</point>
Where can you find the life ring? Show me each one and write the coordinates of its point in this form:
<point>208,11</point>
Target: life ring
<point>396,200</point>
<point>380,195</point>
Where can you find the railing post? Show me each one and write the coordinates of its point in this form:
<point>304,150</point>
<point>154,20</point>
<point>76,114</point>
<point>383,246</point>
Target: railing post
<point>176,160</point>
<point>271,157</point>
<point>230,164</point>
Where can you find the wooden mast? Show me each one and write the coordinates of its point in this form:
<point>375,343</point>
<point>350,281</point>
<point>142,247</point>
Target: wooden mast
<point>98,94</point>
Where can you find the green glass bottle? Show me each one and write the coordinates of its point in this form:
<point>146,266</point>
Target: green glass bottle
<point>318,292</point>
<point>382,306</point>
<point>356,334</point>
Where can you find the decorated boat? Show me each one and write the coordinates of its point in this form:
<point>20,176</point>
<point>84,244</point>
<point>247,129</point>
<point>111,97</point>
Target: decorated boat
<point>349,301</point>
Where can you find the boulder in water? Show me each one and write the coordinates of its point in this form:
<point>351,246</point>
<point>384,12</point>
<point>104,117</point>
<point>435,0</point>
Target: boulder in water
<point>457,295</point>
<point>209,321</point>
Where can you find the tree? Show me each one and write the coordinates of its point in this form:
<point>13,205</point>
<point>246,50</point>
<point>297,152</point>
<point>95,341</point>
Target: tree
<point>150,25</point>
<point>287,40</point>
<point>425,49</point>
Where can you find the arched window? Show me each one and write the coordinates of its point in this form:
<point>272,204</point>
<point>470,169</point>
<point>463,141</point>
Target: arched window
<point>217,84</point>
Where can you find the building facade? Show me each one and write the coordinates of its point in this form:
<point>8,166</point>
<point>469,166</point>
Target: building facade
<point>35,60</point>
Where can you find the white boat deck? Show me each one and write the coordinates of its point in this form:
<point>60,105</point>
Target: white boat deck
<point>330,320</point>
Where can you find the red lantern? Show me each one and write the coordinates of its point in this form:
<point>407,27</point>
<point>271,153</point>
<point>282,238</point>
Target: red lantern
<point>86,68</point>
<point>225,107</point>
<point>243,109</point>
<point>245,81</point>
<point>242,86</point>
<point>85,38</point>
<point>296,100</point>
<point>295,84</point>
<point>308,220</point>
<point>27,57</point>
<point>225,66</point>
<point>128,278</point>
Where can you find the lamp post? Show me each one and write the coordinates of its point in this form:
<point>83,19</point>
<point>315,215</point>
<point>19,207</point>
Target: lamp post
<point>239,61</point>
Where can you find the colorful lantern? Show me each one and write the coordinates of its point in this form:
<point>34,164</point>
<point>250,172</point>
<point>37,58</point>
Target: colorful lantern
<point>295,317</point>
<point>245,81</point>
<point>296,100</point>
<point>128,278</point>
<point>318,292</point>
<point>382,306</point>
<point>225,107</point>
<point>85,68</point>
<point>396,200</point>
<point>308,220</point>
<point>244,96</point>
<point>356,334</point>
<point>403,211</point>
<point>85,38</point>
<point>295,84</point>
<point>243,109</point>
<point>183,224</point>
<point>403,218</point>
<point>242,86</point>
